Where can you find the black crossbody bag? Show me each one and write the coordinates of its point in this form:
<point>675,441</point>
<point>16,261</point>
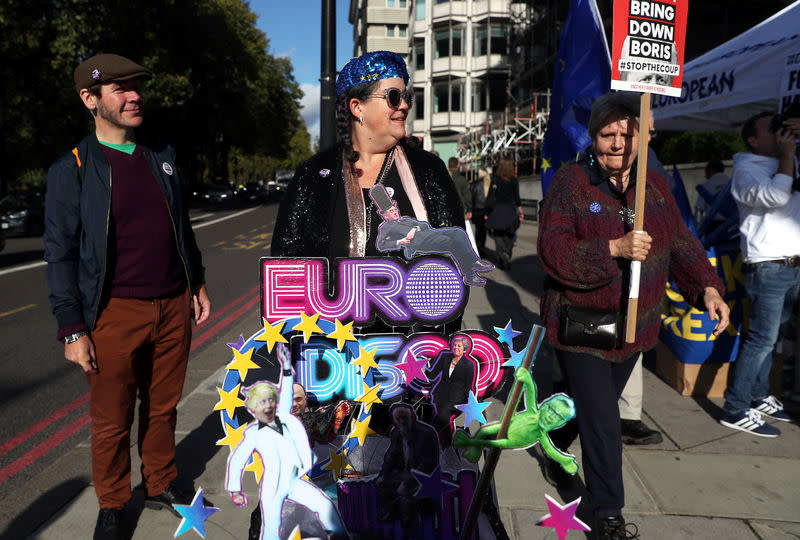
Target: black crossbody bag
<point>587,327</point>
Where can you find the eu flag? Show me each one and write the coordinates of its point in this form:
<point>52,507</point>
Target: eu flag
<point>583,72</point>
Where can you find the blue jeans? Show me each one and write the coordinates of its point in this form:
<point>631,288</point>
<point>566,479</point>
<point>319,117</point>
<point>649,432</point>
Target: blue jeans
<point>772,289</point>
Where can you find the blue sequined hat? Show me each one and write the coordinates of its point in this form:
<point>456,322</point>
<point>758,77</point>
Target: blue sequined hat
<point>369,67</point>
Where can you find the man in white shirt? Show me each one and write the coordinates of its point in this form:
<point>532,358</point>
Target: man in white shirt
<point>769,211</point>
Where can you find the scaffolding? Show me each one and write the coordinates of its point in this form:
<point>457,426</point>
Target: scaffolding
<point>518,137</point>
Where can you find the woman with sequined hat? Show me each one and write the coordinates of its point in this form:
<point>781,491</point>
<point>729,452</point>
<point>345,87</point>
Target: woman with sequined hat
<point>586,243</point>
<point>327,209</point>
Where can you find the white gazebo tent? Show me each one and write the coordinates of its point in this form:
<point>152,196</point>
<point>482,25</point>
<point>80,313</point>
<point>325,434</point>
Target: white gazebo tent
<point>727,85</point>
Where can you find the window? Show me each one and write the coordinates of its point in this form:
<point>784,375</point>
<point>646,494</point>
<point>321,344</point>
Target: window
<point>497,43</point>
<point>420,11</point>
<point>440,92</point>
<point>396,30</point>
<point>389,3</point>
<point>480,47</point>
<point>419,56</point>
<point>497,94</point>
<point>419,104</point>
<point>448,42</point>
<point>448,96</point>
<point>489,40</point>
<point>442,38</point>
<point>402,4</point>
<point>478,96</point>
<point>456,103</point>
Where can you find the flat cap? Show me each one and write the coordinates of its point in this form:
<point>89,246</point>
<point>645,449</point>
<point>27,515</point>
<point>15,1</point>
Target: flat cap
<point>105,68</point>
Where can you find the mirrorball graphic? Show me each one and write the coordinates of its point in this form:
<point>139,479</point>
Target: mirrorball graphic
<point>433,289</point>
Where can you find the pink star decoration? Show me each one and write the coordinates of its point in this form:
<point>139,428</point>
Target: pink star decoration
<point>562,518</point>
<point>413,368</point>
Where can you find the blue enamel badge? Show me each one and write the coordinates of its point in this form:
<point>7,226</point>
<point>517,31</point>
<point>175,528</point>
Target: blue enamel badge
<point>595,207</point>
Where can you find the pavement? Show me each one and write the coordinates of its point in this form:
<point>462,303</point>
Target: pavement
<point>702,481</point>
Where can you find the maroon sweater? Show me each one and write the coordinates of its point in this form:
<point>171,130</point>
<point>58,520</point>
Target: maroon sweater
<point>579,217</point>
<point>144,261</point>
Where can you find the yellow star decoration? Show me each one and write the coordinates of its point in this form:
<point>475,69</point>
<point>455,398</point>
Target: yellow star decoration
<point>308,325</point>
<point>257,466</point>
<point>545,164</point>
<point>369,396</point>
<point>233,436</point>
<point>272,334</point>
<point>365,360</point>
<point>229,400</point>
<point>361,430</point>
<point>242,362</point>
<point>336,464</point>
<point>342,334</point>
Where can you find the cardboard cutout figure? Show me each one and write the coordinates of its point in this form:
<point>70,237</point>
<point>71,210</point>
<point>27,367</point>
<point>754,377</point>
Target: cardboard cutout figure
<point>280,439</point>
<point>527,427</point>
<point>457,375</point>
<point>418,237</point>
<point>412,446</point>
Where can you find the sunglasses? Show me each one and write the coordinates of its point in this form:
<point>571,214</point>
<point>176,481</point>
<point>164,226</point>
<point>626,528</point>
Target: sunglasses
<point>394,95</point>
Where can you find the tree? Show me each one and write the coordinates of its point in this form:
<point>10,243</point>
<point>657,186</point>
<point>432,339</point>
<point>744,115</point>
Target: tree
<point>215,85</point>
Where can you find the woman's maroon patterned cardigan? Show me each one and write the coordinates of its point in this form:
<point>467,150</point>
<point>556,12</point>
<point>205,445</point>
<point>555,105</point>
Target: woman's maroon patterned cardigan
<point>578,219</point>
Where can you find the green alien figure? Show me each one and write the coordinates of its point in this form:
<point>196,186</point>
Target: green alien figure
<point>526,427</point>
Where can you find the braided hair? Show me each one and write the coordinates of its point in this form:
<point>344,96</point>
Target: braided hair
<point>343,115</point>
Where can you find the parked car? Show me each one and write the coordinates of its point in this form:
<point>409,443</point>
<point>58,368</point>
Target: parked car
<point>278,186</point>
<point>254,192</point>
<point>22,213</point>
<point>2,240</point>
<point>219,194</point>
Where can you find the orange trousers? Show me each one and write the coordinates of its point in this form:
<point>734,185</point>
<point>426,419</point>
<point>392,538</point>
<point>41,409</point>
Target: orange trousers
<point>142,347</point>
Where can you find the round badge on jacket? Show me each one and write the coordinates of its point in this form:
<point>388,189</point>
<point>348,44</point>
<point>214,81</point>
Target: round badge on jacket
<point>167,168</point>
<point>595,207</point>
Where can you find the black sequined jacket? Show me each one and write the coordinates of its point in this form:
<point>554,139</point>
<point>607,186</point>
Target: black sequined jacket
<point>304,219</point>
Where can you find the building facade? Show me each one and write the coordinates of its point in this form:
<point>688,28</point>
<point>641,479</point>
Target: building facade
<point>457,53</point>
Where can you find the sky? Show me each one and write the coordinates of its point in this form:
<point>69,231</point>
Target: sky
<point>294,29</point>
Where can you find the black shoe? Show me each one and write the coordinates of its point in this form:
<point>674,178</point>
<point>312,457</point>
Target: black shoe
<point>504,261</point>
<point>111,525</point>
<point>615,528</point>
<point>636,432</point>
<point>172,495</point>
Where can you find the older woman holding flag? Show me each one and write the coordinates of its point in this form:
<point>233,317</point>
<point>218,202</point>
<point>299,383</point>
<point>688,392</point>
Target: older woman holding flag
<point>586,244</point>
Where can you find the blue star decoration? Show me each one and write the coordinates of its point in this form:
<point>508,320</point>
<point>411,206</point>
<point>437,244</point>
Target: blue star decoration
<point>516,358</point>
<point>473,410</point>
<point>431,486</point>
<point>194,515</point>
<point>507,334</point>
<point>562,518</point>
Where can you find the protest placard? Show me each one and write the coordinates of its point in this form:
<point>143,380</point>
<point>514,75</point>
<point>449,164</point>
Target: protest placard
<point>647,46</point>
<point>790,84</point>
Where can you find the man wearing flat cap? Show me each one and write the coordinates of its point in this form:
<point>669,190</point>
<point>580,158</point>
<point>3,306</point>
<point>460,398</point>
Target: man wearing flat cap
<point>125,278</point>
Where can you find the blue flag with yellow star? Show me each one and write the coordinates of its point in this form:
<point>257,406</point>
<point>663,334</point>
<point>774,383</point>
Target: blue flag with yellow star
<point>583,72</point>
